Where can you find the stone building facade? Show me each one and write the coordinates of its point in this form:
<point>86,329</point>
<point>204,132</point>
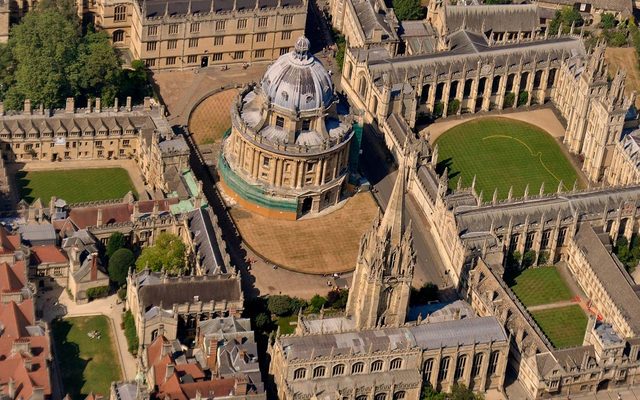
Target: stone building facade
<point>170,35</point>
<point>373,352</point>
<point>289,148</point>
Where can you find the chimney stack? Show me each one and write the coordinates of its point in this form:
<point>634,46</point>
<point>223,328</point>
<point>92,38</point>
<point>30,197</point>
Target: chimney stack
<point>88,110</point>
<point>94,266</point>
<point>99,218</point>
<point>70,106</point>
<point>128,106</point>
<point>115,105</point>
<point>98,106</point>
<point>1,108</point>
<point>11,388</point>
<point>147,104</point>
<point>27,107</point>
<point>170,369</point>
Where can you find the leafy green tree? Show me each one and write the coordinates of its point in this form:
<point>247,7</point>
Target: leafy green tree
<point>453,107</point>
<point>135,82</point>
<point>96,71</point>
<point>317,302</point>
<point>337,299</point>
<point>543,258</point>
<point>408,9</point>
<point>263,322</point>
<point>523,97</point>
<point>167,254</point>
<point>120,263</point>
<point>438,108</point>
<point>43,45</point>
<point>116,242</point>
<point>458,392</point>
<point>65,7</point>
<point>607,21</point>
<point>509,99</point>
<point>528,258</point>
<point>280,305</point>
<point>565,17</point>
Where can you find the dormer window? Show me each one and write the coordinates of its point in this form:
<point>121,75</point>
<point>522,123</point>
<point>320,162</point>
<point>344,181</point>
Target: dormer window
<point>306,124</point>
<point>285,96</point>
<point>280,122</point>
<point>309,98</point>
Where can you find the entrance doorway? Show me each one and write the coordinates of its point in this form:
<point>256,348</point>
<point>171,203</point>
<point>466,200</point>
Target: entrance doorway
<point>604,385</point>
<point>306,205</point>
<point>204,61</point>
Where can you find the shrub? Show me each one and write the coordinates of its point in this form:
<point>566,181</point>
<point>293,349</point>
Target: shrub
<point>438,108</point>
<point>337,299</point>
<point>122,293</point>
<point>509,99</point>
<point>607,21</point>
<point>453,107</point>
<point>263,322</point>
<point>523,97</point>
<point>528,258</point>
<point>408,9</point>
<point>97,292</point>
<point>130,332</point>
<point>543,258</point>
<point>317,302</point>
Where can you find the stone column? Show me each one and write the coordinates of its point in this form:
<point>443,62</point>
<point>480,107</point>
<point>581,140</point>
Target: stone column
<point>318,171</point>
<point>431,99</point>
<point>256,163</point>
<point>445,97</point>
<point>486,96</point>
<point>474,92</point>
<point>543,85</point>
<point>323,175</point>
<point>516,87</point>
<point>279,165</point>
<point>529,88</point>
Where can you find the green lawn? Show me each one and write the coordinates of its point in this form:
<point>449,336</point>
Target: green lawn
<point>542,285</point>
<point>502,153</point>
<point>564,326</point>
<point>285,324</point>
<point>76,185</point>
<point>87,365</point>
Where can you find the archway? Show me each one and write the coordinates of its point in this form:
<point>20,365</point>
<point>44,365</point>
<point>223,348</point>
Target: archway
<point>603,385</point>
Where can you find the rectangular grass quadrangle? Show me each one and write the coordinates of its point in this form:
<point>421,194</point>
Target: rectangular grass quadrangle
<point>75,185</point>
<point>564,326</point>
<point>86,365</point>
<point>543,285</point>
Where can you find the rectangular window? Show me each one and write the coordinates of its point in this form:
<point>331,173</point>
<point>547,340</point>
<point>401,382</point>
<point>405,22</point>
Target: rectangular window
<point>220,25</point>
<point>493,362</point>
<point>477,364</point>
<point>259,54</point>
<point>216,56</point>
<point>288,20</point>
<point>100,152</point>
<point>238,55</point>
<point>171,61</point>
<point>218,40</point>
<point>192,59</point>
<point>152,30</point>
<point>239,39</point>
<point>261,37</point>
<point>150,62</point>
<point>195,27</point>
<point>544,243</point>
<point>125,143</point>
<point>172,44</point>
<point>306,124</point>
<point>242,23</point>
<point>262,22</point>
<point>284,51</point>
<point>528,243</point>
<point>173,29</point>
<point>265,162</point>
<point>120,13</point>
<point>561,236</point>
<point>193,42</point>
<point>98,143</point>
<point>286,35</point>
<point>151,46</point>
<point>444,368</point>
<point>513,244</point>
<point>280,122</point>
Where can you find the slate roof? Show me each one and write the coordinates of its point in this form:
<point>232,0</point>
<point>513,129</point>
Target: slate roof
<point>371,21</point>
<point>432,335</point>
<point>611,275</point>
<point>183,290</point>
<point>157,8</point>
<point>497,18</point>
<point>622,6</point>
<point>201,224</point>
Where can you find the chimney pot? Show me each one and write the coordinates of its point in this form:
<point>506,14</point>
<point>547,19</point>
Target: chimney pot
<point>98,106</point>
<point>70,106</point>
<point>27,107</point>
<point>128,105</point>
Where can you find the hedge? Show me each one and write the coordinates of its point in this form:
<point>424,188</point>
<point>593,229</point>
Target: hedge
<point>97,292</point>
<point>130,332</point>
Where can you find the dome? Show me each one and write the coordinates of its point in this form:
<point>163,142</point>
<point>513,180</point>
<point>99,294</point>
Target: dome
<point>298,81</point>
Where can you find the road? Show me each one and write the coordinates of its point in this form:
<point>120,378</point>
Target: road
<point>380,171</point>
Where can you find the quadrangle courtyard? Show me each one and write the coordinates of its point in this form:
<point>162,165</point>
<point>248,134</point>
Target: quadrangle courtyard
<point>74,185</point>
<point>87,365</point>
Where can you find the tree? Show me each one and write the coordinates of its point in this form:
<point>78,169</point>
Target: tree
<point>453,107</point>
<point>67,8</point>
<point>120,263</point>
<point>607,21</point>
<point>96,71</point>
<point>438,108</point>
<point>282,305</point>
<point>317,302</point>
<point>565,17</point>
<point>528,258</point>
<point>135,82</point>
<point>543,258</point>
<point>116,242</point>
<point>458,392</point>
<point>167,254</point>
<point>522,98</point>
<point>408,9</point>
<point>43,46</point>
<point>337,299</point>
<point>509,99</point>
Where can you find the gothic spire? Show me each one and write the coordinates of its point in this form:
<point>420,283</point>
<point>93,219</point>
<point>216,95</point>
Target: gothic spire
<point>392,219</point>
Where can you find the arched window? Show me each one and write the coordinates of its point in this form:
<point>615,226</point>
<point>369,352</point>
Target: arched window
<point>396,363</point>
<point>318,372</point>
<point>460,365</point>
<point>363,87</point>
<point>376,366</point>
<point>493,362</point>
<point>120,13</point>
<point>361,397</point>
<point>300,373</point>
<point>380,396</point>
<point>444,368</point>
<point>399,395</point>
<point>426,371</point>
<point>118,36</point>
<point>357,368</point>
<point>338,370</point>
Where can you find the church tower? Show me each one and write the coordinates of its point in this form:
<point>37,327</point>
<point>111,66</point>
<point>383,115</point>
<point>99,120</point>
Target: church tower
<point>382,280</point>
